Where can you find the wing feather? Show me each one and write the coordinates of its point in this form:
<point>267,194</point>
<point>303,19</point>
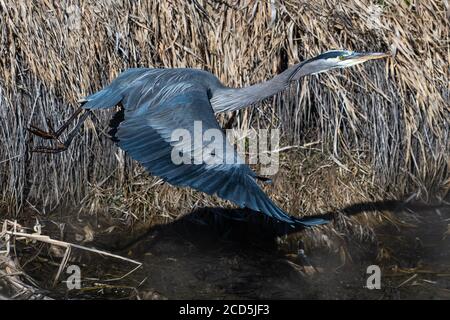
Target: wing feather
<point>154,107</point>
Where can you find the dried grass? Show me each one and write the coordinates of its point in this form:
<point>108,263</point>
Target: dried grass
<point>387,122</point>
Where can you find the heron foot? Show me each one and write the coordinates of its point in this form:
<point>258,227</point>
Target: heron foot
<point>47,135</point>
<point>51,134</point>
<point>42,149</point>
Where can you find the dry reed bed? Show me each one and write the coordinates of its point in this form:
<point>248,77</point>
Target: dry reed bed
<point>388,123</point>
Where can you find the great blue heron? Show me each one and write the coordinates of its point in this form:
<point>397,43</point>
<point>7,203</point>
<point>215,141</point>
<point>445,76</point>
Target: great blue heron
<point>154,102</point>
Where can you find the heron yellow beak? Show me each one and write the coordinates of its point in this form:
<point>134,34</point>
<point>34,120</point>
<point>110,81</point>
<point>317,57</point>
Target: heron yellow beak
<point>366,56</point>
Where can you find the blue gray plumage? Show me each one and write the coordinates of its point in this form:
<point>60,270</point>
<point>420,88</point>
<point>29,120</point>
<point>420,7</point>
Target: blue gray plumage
<point>157,101</point>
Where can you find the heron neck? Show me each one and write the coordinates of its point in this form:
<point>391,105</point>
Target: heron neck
<point>231,99</point>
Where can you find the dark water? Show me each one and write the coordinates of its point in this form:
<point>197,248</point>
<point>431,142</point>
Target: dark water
<point>211,255</point>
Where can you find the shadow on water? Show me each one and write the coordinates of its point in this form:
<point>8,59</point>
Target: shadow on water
<point>216,253</point>
<point>233,253</point>
<point>246,227</point>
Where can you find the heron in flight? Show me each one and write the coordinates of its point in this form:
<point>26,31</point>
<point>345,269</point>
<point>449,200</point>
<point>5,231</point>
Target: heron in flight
<point>155,102</point>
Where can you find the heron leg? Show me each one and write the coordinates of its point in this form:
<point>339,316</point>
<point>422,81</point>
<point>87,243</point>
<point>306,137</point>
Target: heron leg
<point>55,135</point>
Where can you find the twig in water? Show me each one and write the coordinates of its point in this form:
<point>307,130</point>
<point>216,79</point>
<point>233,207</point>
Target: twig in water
<point>21,235</point>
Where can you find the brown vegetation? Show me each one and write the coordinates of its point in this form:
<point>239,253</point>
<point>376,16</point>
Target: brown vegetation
<point>382,128</point>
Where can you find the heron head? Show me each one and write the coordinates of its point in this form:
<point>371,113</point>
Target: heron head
<point>335,59</point>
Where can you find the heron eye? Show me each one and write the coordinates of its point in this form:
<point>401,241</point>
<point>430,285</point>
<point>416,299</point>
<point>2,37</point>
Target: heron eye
<point>341,58</point>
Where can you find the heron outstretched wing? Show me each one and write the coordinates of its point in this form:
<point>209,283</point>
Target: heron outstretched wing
<point>146,134</point>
